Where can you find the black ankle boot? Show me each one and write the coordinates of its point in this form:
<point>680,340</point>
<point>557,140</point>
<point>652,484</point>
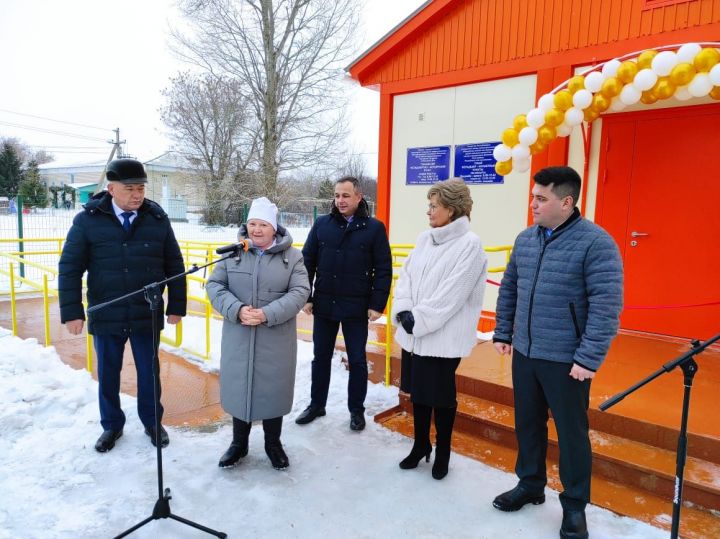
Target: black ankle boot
<point>239,446</point>
<point>276,453</point>
<point>418,452</point>
<point>444,421</point>
<point>422,446</point>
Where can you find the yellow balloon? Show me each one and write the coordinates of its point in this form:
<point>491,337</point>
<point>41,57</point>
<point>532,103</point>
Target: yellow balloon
<point>576,83</point>
<point>682,74</point>
<point>626,71</point>
<point>589,115</point>
<point>538,147</point>
<point>663,88</point>
<point>645,59</point>
<point>546,134</point>
<point>648,97</point>
<point>503,168</point>
<point>611,87</point>
<point>715,93</point>
<point>554,117</point>
<point>706,59</point>
<point>600,103</point>
<point>563,100</point>
<point>520,122</point>
<point>509,137</point>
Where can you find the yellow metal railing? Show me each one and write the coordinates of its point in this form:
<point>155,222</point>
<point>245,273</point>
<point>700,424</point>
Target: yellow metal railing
<point>194,252</point>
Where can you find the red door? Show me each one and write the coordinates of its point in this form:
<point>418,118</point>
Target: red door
<point>659,196</point>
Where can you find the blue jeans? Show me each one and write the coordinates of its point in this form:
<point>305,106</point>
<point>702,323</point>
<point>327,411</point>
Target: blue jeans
<point>110,349</point>
<point>355,333</point>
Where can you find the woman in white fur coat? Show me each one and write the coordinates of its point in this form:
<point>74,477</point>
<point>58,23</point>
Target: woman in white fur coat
<point>437,303</point>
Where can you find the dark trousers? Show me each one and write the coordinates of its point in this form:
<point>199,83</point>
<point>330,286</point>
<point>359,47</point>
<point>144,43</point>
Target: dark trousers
<point>325,333</point>
<point>271,427</point>
<point>109,350</point>
<point>540,385</point>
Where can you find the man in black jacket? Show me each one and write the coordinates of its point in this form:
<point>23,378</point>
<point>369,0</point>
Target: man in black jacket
<point>347,256</point>
<point>124,242</point>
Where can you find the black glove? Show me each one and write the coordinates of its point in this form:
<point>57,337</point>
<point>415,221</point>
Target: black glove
<point>407,320</point>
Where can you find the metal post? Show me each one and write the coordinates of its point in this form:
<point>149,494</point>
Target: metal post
<point>46,306</point>
<point>13,307</point>
<point>314,213</point>
<point>21,246</point>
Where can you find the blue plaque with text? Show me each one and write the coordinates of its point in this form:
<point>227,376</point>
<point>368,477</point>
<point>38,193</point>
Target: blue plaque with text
<point>427,165</point>
<point>475,163</point>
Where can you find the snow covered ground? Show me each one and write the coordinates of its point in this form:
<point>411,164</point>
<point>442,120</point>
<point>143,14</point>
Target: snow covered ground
<point>340,483</point>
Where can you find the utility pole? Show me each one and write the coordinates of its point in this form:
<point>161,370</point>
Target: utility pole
<point>116,148</point>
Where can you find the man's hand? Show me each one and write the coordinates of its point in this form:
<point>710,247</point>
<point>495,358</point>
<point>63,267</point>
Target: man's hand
<point>75,327</point>
<point>581,373</point>
<point>503,348</point>
<point>373,315</point>
<point>307,309</point>
<point>173,319</point>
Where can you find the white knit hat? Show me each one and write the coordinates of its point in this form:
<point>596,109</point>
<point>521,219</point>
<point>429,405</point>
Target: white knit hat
<point>262,208</point>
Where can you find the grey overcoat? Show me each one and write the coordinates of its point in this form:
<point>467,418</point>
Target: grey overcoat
<point>257,363</point>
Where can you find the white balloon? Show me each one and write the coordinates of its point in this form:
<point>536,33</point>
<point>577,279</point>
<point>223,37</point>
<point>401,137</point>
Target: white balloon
<point>520,152</point>
<point>610,68</point>
<point>700,86</point>
<point>687,52</point>
<point>521,166</point>
<point>682,93</point>
<point>528,135</point>
<point>546,102</point>
<point>582,99</point>
<point>715,75</point>
<point>630,94</point>
<point>563,130</point>
<point>645,79</point>
<point>593,81</point>
<point>663,63</point>
<point>573,116</point>
<point>617,105</point>
<point>501,152</point>
<point>535,118</point>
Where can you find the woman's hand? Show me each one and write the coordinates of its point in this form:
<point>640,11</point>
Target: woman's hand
<point>407,320</point>
<point>250,316</point>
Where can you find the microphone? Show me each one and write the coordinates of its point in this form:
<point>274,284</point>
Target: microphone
<point>243,245</point>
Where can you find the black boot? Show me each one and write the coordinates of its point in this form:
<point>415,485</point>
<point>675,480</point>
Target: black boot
<point>239,446</point>
<point>422,446</point>
<point>273,447</point>
<point>444,421</point>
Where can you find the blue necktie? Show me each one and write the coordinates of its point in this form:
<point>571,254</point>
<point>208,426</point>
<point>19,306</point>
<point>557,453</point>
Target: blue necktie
<point>126,219</point>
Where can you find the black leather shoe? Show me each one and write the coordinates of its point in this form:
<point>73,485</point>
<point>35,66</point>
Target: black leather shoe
<point>309,414</point>
<point>574,525</point>
<point>357,421</point>
<point>107,440</point>
<point>276,454</point>
<point>235,452</point>
<point>164,438</point>
<point>514,499</point>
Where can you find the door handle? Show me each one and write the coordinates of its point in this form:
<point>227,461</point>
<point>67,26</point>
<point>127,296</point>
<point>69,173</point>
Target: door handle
<point>638,234</point>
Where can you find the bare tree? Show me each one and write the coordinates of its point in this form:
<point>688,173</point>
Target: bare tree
<point>287,55</point>
<point>207,120</point>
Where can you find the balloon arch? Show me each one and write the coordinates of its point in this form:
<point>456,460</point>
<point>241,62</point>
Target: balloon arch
<point>679,71</point>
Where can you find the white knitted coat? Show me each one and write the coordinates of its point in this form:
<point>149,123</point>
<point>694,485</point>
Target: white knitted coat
<point>442,282</point>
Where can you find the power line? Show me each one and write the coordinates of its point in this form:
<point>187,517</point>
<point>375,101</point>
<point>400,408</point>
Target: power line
<point>57,121</point>
<point>60,133</point>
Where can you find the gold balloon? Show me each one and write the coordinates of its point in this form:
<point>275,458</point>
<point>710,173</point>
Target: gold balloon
<point>645,59</point>
<point>626,71</point>
<point>600,103</point>
<point>563,100</point>
<point>546,134</point>
<point>554,117</point>
<point>715,93</point>
<point>648,97</point>
<point>576,83</point>
<point>663,88</point>
<point>682,74</point>
<point>520,122</point>
<point>503,168</point>
<point>611,87</point>
<point>706,59</point>
<point>509,137</point>
<point>538,147</point>
<point>589,115</point>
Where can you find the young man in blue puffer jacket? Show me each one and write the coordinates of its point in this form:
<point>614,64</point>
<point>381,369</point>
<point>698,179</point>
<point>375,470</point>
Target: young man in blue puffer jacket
<point>557,313</point>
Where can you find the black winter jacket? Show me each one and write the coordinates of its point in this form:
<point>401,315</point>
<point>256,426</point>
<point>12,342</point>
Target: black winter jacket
<point>349,265</point>
<point>117,264</point>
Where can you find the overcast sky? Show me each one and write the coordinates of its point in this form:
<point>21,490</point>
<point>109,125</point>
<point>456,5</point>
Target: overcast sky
<point>103,63</point>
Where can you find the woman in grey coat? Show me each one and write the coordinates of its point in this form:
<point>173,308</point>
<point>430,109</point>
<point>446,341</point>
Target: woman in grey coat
<point>259,293</point>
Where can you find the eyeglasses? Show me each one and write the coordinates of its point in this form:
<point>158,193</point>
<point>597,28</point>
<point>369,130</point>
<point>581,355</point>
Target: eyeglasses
<point>433,207</point>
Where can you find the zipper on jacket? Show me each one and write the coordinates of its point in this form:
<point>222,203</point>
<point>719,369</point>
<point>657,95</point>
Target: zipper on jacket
<point>532,293</point>
<point>574,319</point>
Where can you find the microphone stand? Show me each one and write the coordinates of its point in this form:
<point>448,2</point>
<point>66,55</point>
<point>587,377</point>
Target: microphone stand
<point>153,296</point>
<point>689,368</point>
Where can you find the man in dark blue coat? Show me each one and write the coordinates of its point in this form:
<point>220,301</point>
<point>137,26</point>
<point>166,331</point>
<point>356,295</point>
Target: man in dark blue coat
<point>124,242</point>
<point>347,256</point>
